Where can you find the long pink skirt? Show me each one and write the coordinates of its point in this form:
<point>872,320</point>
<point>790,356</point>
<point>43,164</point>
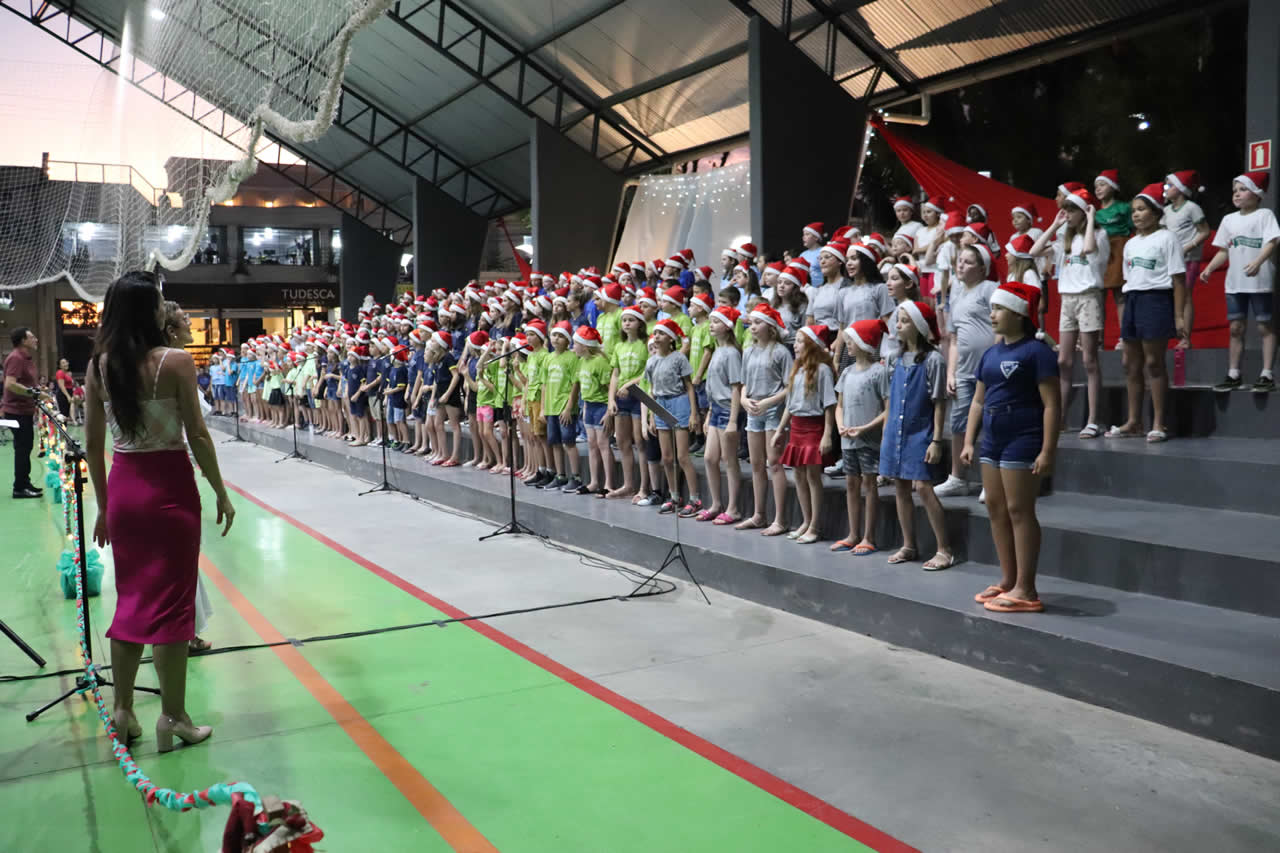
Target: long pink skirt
<point>153,519</point>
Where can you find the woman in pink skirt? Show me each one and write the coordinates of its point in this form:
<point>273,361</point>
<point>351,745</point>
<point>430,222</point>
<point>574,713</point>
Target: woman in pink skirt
<point>149,507</point>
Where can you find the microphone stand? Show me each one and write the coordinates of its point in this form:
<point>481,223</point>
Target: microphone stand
<point>76,456</point>
<point>385,485</point>
<point>235,398</point>
<point>294,454</point>
<point>514,525</point>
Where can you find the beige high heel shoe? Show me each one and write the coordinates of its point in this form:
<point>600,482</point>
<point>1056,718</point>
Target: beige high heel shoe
<point>128,729</point>
<point>167,727</point>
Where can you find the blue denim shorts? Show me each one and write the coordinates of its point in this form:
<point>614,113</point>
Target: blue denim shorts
<point>719,415</point>
<point>1240,304</point>
<point>960,407</point>
<point>559,434</point>
<point>395,414</point>
<point>700,396</point>
<point>1148,315</point>
<point>768,422</point>
<point>628,405</point>
<point>678,406</point>
<point>593,414</point>
<point>1013,437</point>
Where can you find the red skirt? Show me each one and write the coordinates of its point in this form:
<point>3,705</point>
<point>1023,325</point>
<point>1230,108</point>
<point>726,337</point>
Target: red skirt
<point>804,445</point>
<point>153,520</point>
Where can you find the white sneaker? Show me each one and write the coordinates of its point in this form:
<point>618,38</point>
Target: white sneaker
<point>953,487</point>
<point>982,496</point>
<point>835,470</point>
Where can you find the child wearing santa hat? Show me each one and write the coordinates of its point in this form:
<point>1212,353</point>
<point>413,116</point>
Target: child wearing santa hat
<point>1187,221</point>
<point>670,377</point>
<point>628,360</point>
<point>1154,271</point>
<point>1247,239</point>
<point>445,397</point>
<point>560,375</point>
<point>811,238</point>
<point>862,393</point>
<point>1017,395</point>
<point>1113,216</point>
<point>809,425</point>
<point>766,364</point>
<point>724,395</point>
<point>911,447</point>
<point>528,376</point>
<point>594,372</point>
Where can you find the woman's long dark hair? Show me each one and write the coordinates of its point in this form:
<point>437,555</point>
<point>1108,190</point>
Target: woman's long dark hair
<point>128,330</point>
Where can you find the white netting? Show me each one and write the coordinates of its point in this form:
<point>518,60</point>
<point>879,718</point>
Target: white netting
<point>270,65</point>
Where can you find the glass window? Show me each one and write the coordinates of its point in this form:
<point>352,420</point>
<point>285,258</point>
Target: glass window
<point>335,246</point>
<point>168,238</point>
<point>294,246</point>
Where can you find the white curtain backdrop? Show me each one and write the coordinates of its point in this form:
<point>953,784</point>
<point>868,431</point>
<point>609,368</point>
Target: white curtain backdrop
<point>704,211</point>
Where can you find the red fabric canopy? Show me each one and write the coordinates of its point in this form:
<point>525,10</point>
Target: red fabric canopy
<point>942,177</point>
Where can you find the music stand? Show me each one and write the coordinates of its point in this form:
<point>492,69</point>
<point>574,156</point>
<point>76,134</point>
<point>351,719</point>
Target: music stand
<point>514,525</point>
<point>675,556</point>
<point>76,456</point>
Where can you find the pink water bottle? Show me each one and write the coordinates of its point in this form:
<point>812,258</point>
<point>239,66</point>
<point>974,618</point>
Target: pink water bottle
<point>1179,368</point>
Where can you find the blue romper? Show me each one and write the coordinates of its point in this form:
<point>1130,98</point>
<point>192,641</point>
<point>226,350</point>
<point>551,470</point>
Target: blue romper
<point>909,427</point>
<point>355,378</point>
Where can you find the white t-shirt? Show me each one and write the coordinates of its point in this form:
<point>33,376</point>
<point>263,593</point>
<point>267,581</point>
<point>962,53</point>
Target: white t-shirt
<point>1243,236</point>
<point>1032,278</point>
<point>912,228</point>
<point>1079,272</point>
<point>1150,262</point>
<point>924,239</point>
<point>1182,222</point>
<point>1042,262</point>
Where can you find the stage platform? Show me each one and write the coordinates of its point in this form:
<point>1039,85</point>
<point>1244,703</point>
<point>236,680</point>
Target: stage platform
<point>1160,571</point>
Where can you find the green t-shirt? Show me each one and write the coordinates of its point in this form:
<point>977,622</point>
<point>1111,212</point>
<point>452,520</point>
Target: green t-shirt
<point>700,344</point>
<point>533,374</point>
<point>485,397</point>
<point>610,328</point>
<point>561,371</point>
<point>629,359</point>
<point>685,322</point>
<point>593,378</point>
<point>741,332</point>
<point>1117,219</point>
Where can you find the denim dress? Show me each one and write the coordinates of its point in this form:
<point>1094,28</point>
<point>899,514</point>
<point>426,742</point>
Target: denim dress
<point>909,427</point>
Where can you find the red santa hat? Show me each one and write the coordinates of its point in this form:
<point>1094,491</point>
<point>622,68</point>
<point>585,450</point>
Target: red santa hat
<point>923,318</point>
<point>611,294</point>
<point>909,271</point>
<point>955,223</point>
<point>1027,209</point>
<point>905,235</point>
<point>875,238</point>
<point>1153,194</point>
<point>669,328</point>
<point>702,273</point>
<point>729,253</point>
<point>975,206</point>
<point>442,339</point>
<point>1255,182</point>
<point>868,252</point>
<point>866,335</point>
<point>797,275</point>
<point>768,314</point>
<point>588,337</point>
<point>936,203</point>
<point>726,314</point>
<point>564,329</point>
<point>674,295</point>
<point>836,249</point>
<point>748,252</point>
<point>821,335</point>
<point>1069,187</point>
<point>904,201</point>
<point>982,232</point>
<point>987,256</point>
<point>400,353</point>
<point>645,296</point>
<point>705,301</point>
<point>1110,177</point>
<point>677,261</point>
<point>1019,298</point>
<point>479,338</point>
<point>416,338</point>
<point>814,228</point>
<point>1186,182</point>
<point>1020,246</point>
<point>633,311</point>
<point>536,327</point>
<point>1082,198</point>
<point>687,254</point>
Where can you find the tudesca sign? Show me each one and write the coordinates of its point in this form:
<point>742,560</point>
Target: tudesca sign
<point>252,295</point>
<point>309,295</point>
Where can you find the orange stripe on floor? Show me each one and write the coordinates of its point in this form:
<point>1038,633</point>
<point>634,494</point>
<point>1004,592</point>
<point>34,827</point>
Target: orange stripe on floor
<point>455,829</point>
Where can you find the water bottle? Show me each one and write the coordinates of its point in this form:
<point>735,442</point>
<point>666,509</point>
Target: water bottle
<point>1179,368</point>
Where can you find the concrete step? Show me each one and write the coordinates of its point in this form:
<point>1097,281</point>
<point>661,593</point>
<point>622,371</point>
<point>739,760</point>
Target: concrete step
<point>1216,473</point>
<point>1205,670</point>
<point>1192,411</point>
<point>1204,367</point>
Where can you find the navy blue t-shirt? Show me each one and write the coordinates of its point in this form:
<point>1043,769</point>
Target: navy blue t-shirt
<point>399,377</point>
<point>444,374</point>
<point>1012,373</point>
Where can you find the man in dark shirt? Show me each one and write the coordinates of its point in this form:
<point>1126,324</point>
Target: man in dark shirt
<point>18,404</point>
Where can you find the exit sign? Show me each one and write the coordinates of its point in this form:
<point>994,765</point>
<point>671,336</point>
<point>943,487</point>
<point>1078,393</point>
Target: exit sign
<point>1260,155</point>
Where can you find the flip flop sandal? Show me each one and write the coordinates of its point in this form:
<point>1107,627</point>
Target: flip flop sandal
<point>864,550</point>
<point>450,464</point>
<point>989,593</point>
<point>724,518</point>
<point>795,534</point>
<point>903,555</point>
<point>1090,431</point>
<point>749,524</point>
<point>807,539</point>
<point>843,545</point>
<point>1001,604</point>
<point>768,531</point>
<point>1116,432</point>
<point>704,515</point>
<point>1156,436</point>
<point>938,562</point>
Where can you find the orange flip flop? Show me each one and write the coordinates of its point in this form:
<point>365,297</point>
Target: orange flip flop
<point>1001,604</point>
<point>989,593</point>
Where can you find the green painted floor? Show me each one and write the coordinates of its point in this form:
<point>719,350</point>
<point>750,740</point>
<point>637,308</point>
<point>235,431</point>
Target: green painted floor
<point>531,761</point>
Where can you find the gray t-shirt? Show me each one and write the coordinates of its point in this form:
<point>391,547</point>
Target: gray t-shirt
<point>935,371</point>
<point>969,316</point>
<point>801,402</point>
<point>666,373</point>
<point>724,371</point>
<point>792,321</point>
<point>862,395</point>
<point>764,370</point>
<point>826,303</point>
<point>865,302</point>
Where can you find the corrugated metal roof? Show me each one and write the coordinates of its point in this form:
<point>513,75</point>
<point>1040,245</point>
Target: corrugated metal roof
<point>626,46</point>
